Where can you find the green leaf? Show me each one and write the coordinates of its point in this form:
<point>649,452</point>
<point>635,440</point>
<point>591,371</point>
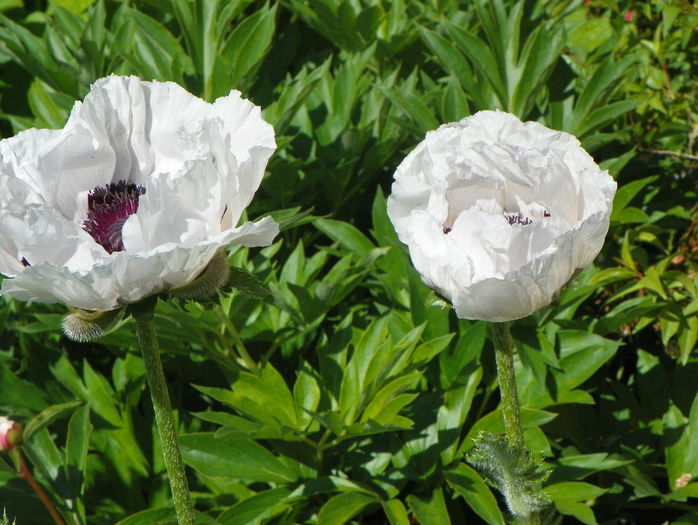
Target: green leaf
<point>580,466</point>
<point>341,508</point>
<point>430,510</point>
<point>383,230</point>
<point>77,444</point>
<point>243,281</point>
<point>396,512</point>
<point>493,423</point>
<point>77,6</point>
<point>50,107</point>
<point>515,472</point>
<point>455,408</point>
<point>48,416</point>
<point>592,96</point>
<point>354,380</point>
<point>454,102</point>
<point>247,44</point>
<point>574,491</point>
<point>453,61</point>
<point>538,58</point>
<point>101,396</point>
<point>281,112</point>
<point>306,394</point>
<point>235,457</point>
<point>482,59</point>
<point>163,516</point>
<point>413,106</point>
<point>468,483</point>
<point>567,498</point>
<point>616,164</point>
<point>380,408</point>
<point>603,115</point>
<point>346,235</point>
<point>6,5</point>
<point>17,392</point>
<point>32,53</point>
<point>264,397</point>
<point>44,455</point>
<point>627,192</point>
<point>581,354</point>
<point>152,49</point>
<point>256,509</point>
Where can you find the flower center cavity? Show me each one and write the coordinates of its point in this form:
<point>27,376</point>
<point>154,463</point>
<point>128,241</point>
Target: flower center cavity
<point>108,207</point>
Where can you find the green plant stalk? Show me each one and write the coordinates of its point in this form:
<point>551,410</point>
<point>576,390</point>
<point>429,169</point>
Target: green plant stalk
<point>511,408</point>
<point>504,356</point>
<point>239,344</point>
<point>145,330</point>
<point>25,473</point>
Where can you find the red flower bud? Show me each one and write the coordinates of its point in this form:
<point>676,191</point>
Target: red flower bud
<point>10,434</point>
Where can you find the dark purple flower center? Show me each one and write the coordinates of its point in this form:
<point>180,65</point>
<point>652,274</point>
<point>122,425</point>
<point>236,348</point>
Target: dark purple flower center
<point>108,207</point>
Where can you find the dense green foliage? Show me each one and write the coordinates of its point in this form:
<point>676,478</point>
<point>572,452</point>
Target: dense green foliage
<point>368,390</point>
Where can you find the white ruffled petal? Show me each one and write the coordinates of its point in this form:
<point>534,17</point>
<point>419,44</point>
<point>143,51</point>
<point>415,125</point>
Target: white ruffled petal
<point>251,140</point>
<point>134,196</point>
<point>499,214</point>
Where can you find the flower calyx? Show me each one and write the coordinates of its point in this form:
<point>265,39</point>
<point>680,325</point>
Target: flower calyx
<point>84,326</point>
<point>516,473</point>
<point>209,282</point>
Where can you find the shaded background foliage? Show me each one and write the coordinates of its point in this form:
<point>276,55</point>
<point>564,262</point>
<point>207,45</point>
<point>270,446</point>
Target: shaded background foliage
<point>369,391</point>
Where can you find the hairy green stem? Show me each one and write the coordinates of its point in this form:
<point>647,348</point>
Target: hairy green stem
<point>504,355</point>
<point>511,409</point>
<point>145,330</point>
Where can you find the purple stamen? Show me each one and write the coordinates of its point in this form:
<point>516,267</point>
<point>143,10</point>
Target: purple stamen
<point>447,229</point>
<point>24,262</point>
<point>108,207</point>
<point>518,219</point>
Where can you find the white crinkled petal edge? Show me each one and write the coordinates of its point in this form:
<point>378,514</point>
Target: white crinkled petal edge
<point>530,287</point>
<point>126,278</point>
<point>243,145</point>
<point>535,285</point>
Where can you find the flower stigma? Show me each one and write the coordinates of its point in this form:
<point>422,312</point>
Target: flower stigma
<point>108,207</point>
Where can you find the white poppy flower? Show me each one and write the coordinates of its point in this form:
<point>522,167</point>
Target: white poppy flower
<point>498,214</point>
<point>135,195</point>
